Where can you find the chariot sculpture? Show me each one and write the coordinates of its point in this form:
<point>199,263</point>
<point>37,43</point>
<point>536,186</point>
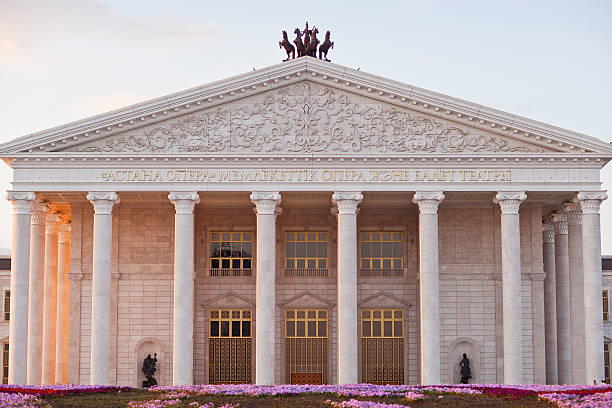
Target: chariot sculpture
<point>306,44</point>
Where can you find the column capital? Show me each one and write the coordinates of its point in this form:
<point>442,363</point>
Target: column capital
<point>39,213</point>
<point>22,201</point>
<point>590,201</point>
<point>559,222</point>
<point>548,232</point>
<point>52,223</point>
<point>428,201</point>
<point>266,202</point>
<point>573,213</point>
<point>103,201</point>
<point>347,201</point>
<point>184,201</point>
<point>64,233</point>
<point>510,201</point>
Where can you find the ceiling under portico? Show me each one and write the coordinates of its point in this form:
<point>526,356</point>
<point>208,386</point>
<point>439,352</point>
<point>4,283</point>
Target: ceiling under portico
<point>305,107</point>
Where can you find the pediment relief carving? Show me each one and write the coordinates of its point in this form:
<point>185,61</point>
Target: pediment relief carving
<point>230,300</point>
<point>306,117</point>
<point>383,300</point>
<point>306,300</point>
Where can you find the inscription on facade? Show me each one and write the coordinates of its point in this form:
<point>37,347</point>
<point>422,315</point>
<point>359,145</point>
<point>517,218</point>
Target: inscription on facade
<point>306,175</point>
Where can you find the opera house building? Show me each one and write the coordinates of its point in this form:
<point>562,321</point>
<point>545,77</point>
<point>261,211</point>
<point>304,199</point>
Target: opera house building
<point>306,223</point>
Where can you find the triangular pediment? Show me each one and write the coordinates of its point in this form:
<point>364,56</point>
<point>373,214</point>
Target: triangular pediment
<point>230,300</point>
<point>383,300</point>
<point>306,300</point>
<point>305,106</point>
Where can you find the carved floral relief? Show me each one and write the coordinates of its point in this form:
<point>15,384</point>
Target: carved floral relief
<point>304,118</point>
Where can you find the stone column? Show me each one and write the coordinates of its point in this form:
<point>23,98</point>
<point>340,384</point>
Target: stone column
<point>36,292</point>
<point>429,284</point>
<point>511,284</point>
<point>266,208</point>
<point>550,302</point>
<point>20,271</point>
<point>348,334</point>
<point>564,340</point>
<point>103,202</point>
<point>576,284</point>
<point>182,331</point>
<point>63,296</point>
<point>50,299</point>
<point>591,264</point>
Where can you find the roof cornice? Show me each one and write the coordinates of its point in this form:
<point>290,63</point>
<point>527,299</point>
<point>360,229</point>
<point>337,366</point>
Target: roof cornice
<point>321,71</point>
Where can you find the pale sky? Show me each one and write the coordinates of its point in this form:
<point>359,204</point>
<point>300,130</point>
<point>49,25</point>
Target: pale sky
<point>64,60</point>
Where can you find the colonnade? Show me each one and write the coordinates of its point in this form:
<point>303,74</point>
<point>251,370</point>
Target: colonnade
<point>38,326</point>
<point>572,292</point>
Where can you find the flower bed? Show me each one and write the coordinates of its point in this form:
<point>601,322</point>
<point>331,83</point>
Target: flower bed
<point>330,396</point>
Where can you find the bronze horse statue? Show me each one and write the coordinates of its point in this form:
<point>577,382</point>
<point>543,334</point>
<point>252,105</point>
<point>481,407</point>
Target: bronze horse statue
<point>299,45</point>
<point>289,48</point>
<point>327,44</point>
<point>311,49</point>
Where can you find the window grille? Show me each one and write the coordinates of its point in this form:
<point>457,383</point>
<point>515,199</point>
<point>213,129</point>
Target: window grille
<point>231,253</point>
<point>381,253</point>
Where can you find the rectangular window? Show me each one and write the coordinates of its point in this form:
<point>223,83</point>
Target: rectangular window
<point>230,323</point>
<point>306,253</point>
<point>382,323</point>
<point>5,363</point>
<point>7,305</point>
<point>231,253</point>
<point>306,323</point>
<point>606,306</point>
<point>607,362</point>
<point>381,253</point>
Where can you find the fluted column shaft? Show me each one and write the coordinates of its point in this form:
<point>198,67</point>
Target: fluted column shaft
<point>103,203</point>
<point>564,340</point>
<point>20,265</point>
<point>50,299</point>
<point>266,208</point>
<point>346,206</point>
<point>429,284</point>
<point>511,285</point>
<point>576,283</point>
<point>591,263</point>
<point>63,293</point>
<point>182,346</point>
<point>550,303</point>
<point>36,293</point>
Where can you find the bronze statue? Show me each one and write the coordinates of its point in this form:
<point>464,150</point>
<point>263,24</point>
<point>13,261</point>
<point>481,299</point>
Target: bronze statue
<point>311,49</point>
<point>148,369</point>
<point>289,48</point>
<point>327,44</point>
<point>308,45</point>
<point>466,371</point>
<point>299,45</point>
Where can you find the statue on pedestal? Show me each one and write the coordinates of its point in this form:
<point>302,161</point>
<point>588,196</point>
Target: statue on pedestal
<point>466,371</point>
<point>148,369</point>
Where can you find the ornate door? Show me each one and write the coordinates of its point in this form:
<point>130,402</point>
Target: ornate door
<point>382,346</point>
<point>229,346</point>
<point>306,346</point>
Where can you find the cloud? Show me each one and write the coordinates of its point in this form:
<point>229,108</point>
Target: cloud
<point>26,26</point>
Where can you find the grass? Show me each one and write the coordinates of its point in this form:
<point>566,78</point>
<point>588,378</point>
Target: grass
<point>121,399</point>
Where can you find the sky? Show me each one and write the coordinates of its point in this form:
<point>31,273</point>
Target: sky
<point>65,60</point>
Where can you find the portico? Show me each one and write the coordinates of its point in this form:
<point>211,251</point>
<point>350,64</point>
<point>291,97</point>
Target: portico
<point>314,227</point>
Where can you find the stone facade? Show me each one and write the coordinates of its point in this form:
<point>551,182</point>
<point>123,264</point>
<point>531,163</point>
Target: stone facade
<point>339,155</point>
